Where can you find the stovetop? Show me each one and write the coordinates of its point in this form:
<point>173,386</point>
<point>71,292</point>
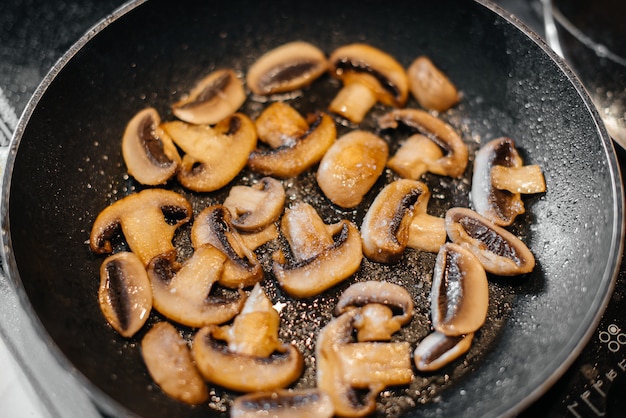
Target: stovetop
<point>35,33</point>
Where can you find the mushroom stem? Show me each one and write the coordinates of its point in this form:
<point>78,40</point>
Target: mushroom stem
<point>527,179</point>
<point>353,101</point>
<point>427,233</point>
<point>416,156</point>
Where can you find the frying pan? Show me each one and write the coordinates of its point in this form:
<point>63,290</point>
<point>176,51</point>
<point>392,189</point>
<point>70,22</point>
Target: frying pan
<point>65,166</point>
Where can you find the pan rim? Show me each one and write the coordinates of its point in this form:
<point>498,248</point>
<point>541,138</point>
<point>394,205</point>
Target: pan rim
<point>591,320</point>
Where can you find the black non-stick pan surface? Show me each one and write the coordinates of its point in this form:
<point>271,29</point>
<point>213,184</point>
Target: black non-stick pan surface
<point>66,166</point>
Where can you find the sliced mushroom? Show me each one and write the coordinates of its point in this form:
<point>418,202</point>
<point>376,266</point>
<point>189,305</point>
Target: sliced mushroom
<point>378,302</point>
<point>255,207</point>
<point>323,255</point>
<point>214,226</point>
<point>454,158</point>
<point>294,158</point>
<point>280,125</point>
<point>149,153</point>
<point>148,221</point>
<point>254,240</point>
<point>171,366</point>
<point>460,293</point>
<point>499,251</point>
<point>345,368</point>
<point>247,356</point>
<point>214,155</point>
<point>499,199</point>
<point>369,75</point>
<point>125,295</point>
<point>301,403</point>
<point>438,350</point>
<point>430,87</point>
<point>215,97</point>
<point>385,228</point>
<point>182,293</point>
<point>351,166</point>
<point>288,67</point>
<point>426,232</point>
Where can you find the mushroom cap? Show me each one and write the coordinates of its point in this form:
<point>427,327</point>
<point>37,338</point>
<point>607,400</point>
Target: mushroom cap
<point>430,86</point>
<point>385,227</point>
<point>169,362</point>
<point>499,206</point>
<point>351,166</point>
<point>437,350</point>
<point>379,71</point>
<point>459,293</point>
<point>148,221</point>
<point>288,67</point>
<point>215,97</point>
<point>293,159</point>
<point>298,403</point>
<point>499,251</point>
<point>124,295</point>
<point>213,155</point>
<point>455,152</point>
<point>255,207</point>
<point>149,153</point>
<point>280,124</point>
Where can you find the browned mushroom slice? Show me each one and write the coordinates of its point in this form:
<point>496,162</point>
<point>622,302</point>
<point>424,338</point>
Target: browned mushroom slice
<point>292,159</point>
<point>248,356</point>
<point>149,153</point>
<point>214,226</point>
<point>255,207</point>
<point>212,99</point>
<point>288,67</point>
<point>437,350</point>
<point>498,198</point>
<point>300,403</point>
<point>351,166</point>
<point>171,366</point>
<point>125,295</point>
<point>451,162</point>
<point>460,293</point>
<point>499,251</point>
<point>147,219</point>
<point>182,293</point>
<point>214,155</point>
<point>369,75</point>
<point>385,228</point>
<point>385,307</point>
<point>280,125</point>
<point>322,255</point>
<point>430,87</point>
<point>346,368</point>
<point>426,232</point>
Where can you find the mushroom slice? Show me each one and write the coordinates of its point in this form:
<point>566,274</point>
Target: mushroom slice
<point>213,98</point>
<point>294,158</point>
<point>323,255</point>
<point>125,296</point>
<point>214,226</point>
<point>149,153</point>
<point>182,293</point>
<point>378,302</point>
<point>460,294</point>
<point>171,366</point>
<point>369,75</point>
<point>430,87</point>
<point>385,228</point>
<point>302,403</point>
<point>499,251</point>
<point>345,367</point>
<point>248,356</point>
<point>288,67</point>
<point>255,207</point>
<point>437,350</point>
<point>351,166</point>
<point>499,198</point>
<point>214,155</point>
<point>426,232</point>
<point>454,158</point>
<point>280,125</point>
<point>148,220</point>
